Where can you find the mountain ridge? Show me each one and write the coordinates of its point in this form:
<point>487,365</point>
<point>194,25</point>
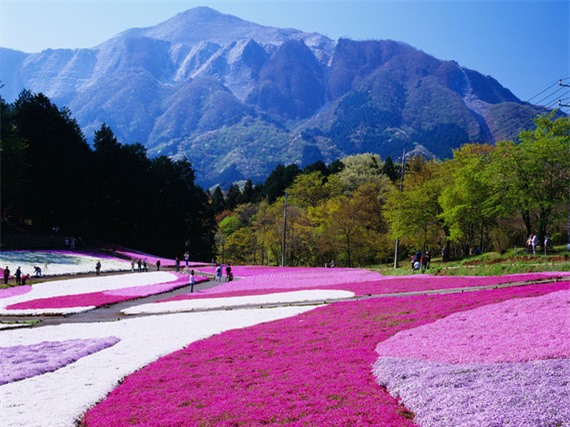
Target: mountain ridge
<point>237,98</point>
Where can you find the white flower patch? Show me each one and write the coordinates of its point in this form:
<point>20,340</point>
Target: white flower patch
<point>59,262</point>
<point>57,399</point>
<point>239,302</point>
<point>79,286</point>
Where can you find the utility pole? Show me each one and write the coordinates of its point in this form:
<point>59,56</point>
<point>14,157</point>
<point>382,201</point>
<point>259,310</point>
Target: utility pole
<point>399,215</point>
<point>284,230</point>
<point>560,104</point>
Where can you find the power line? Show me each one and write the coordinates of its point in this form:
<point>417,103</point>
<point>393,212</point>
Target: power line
<point>547,101</point>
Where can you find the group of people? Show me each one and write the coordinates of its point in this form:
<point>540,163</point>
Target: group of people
<point>21,278</point>
<point>532,243</point>
<point>420,260</point>
<point>229,274</point>
<point>142,265</point>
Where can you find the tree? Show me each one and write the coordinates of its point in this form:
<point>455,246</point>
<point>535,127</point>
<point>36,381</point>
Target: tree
<point>311,189</point>
<point>359,169</point>
<point>61,163</point>
<point>415,214</point>
<point>466,196</point>
<point>533,175</point>
<point>279,180</point>
<point>218,202</point>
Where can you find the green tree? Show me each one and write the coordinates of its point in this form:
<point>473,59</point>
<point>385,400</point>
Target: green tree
<point>533,176</point>
<point>415,214</point>
<point>466,196</point>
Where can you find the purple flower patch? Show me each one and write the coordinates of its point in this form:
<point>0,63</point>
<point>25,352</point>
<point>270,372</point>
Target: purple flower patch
<point>26,361</point>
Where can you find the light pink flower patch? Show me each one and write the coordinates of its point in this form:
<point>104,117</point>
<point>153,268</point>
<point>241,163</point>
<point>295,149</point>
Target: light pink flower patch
<point>13,291</point>
<point>513,331</point>
<point>26,361</point>
<point>312,369</point>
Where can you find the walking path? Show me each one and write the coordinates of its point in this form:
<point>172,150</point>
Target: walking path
<point>116,312</point>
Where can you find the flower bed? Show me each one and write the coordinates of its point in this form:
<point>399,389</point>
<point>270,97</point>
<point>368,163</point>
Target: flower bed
<point>14,291</point>
<point>77,295</point>
<point>313,369</point>
<point>501,364</point>
<point>26,361</point>
<point>60,262</point>
<point>361,282</point>
<point>315,296</point>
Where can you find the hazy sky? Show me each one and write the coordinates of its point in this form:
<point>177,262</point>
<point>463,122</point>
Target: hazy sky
<point>525,45</point>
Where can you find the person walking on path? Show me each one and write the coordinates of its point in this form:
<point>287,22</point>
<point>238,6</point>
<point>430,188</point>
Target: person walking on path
<point>6,275</point>
<point>98,268</point>
<point>157,265</point>
<point>219,273</point>
<point>18,276</point>
<point>177,263</point>
<point>229,275</point>
<point>192,281</point>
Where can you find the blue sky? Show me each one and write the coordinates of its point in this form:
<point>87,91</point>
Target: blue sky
<point>525,45</point>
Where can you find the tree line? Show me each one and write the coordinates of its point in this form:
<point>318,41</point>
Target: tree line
<point>485,198</point>
<point>351,211</point>
<point>54,183</point>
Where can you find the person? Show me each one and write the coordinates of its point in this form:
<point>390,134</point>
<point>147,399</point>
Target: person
<point>186,257</point>
<point>428,259</point>
<point>25,277</point>
<point>229,275</point>
<point>98,268</point>
<point>546,243</point>
<point>139,264</point>
<point>534,244</point>
<point>38,271</point>
<point>157,265</point>
<point>332,264</point>
<point>132,265</point>
<point>192,281</point>
<point>145,266</point>
<point>529,242</point>
<point>177,263</point>
<point>219,273</point>
<point>6,275</point>
<point>18,276</point>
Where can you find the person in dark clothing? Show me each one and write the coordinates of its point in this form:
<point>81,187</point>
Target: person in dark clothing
<point>6,275</point>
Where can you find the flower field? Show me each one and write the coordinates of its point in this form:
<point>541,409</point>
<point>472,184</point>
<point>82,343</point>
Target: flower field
<point>331,347</point>
<point>84,294</point>
<point>312,369</point>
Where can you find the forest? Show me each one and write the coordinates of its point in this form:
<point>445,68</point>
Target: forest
<point>485,198</point>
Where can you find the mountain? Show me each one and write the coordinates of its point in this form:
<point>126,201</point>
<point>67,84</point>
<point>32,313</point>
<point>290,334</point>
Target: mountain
<point>237,98</point>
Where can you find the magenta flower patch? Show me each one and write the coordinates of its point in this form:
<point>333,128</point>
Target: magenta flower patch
<point>26,361</point>
<point>310,370</point>
<point>98,299</point>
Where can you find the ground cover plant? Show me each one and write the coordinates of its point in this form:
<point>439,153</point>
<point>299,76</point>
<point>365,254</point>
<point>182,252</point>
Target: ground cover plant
<point>82,294</point>
<point>361,282</point>
<point>25,361</point>
<point>313,369</point>
<point>500,364</point>
<point>54,262</point>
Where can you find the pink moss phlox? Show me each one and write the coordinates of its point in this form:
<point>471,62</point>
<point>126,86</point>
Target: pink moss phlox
<point>530,394</point>
<point>13,291</point>
<point>361,282</point>
<point>98,299</point>
<point>512,331</point>
<point>312,369</point>
<point>26,361</point>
